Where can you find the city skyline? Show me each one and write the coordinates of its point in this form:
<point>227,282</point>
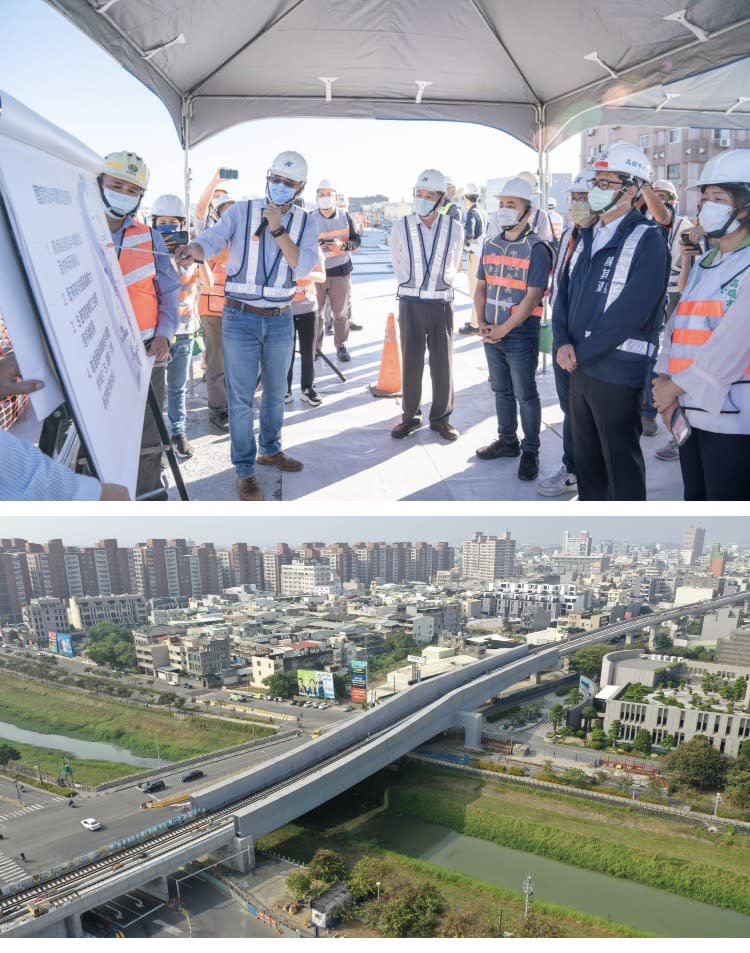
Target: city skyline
<point>268,530</point>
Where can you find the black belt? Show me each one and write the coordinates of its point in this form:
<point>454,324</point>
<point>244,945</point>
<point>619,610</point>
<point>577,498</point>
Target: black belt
<point>245,306</point>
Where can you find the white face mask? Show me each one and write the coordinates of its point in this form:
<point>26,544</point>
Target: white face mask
<point>423,207</point>
<point>599,199</point>
<point>120,204</point>
<point>506,217</point>
<point>326,201</point>
<point>713,217</point>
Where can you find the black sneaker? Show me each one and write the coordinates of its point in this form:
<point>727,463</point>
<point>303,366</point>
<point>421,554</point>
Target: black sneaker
<point>342,354</point>
<point>310,396</point>
<point>528,468</point>
<point>220,422</point>
<point>354,327</point>
<point>498,448</point>
<point>468,329</point>
<point>182,446</point>
<point>329,329</point>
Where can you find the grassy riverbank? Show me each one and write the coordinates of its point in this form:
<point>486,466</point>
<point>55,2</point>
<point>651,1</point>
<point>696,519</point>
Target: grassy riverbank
<point>656,852</point>
<point>50,709</point>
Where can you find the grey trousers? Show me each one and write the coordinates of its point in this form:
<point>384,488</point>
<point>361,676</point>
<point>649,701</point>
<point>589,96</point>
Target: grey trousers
<point>217,392</point>
<point>336,290</point>
<point>427,323</point>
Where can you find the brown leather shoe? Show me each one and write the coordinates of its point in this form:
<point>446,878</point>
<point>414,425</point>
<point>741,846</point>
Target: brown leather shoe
<point>405,428</point>
<point>447,431</point>
<point>248,489</point>
<point>280,460</point>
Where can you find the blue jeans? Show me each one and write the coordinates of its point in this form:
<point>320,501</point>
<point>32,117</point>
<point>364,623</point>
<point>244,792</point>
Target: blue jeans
<point>512,364</point>
<point>177,374</point>
<point>253,343</point>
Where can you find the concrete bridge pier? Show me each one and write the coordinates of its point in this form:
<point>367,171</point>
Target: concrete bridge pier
<point>158,888</point>
<point>73,926</point>
<point>471,722</point>
<point>240,853</point>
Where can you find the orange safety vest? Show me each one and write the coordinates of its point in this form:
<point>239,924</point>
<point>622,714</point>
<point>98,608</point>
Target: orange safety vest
<point>138,266</point>
<point>506,270</point>
<point>701,309</point>
<point>211,299</point>
<point>188,292</point>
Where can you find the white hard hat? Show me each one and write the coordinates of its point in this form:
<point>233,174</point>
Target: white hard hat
<point>726,169</point>
<point>432,180</point>
<point>551,203</point>
<point>127,166</point>
<point>581,182</point>
<point>625,159</point>
<point>471,188</point>
<point>171,205</point>
<point>517,188</point>
<point>531,179</point>
<point>222,200</point>
<point>291,165</point>
<point>325,184</point>
<point>664,185</point>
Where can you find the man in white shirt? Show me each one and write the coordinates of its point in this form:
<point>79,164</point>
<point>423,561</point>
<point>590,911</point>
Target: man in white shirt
<point>426,252</point>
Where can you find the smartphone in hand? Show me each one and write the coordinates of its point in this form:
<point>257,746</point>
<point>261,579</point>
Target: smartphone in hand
<point>679,426</point>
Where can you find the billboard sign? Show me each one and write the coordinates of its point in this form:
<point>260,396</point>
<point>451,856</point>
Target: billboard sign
<point>52,641</point>
<point>64,644</point>
<point>359,681</point>
<point>416,659</point>
<point>315,684</point>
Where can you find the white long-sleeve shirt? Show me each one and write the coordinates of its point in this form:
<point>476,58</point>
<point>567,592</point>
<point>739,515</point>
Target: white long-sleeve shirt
<point>28,474</point>
<point>400,248</point>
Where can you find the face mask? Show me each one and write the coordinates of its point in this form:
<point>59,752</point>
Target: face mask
<point>325,201</point>
<point>423,207</point>
<point>120,204</point>
<point>580,214</point>
<point>280,194</point>
<point>601,199</point>
<point>507,217</point>
<point>713,218</point>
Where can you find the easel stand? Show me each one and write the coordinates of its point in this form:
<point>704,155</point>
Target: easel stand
<point>329,362</point>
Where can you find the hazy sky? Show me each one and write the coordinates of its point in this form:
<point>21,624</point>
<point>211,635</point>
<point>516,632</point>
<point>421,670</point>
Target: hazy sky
<point>54,69</point>
<point>292,529</point>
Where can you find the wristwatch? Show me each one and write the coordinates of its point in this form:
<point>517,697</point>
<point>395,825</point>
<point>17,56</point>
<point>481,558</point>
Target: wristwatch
<point>276,232</point>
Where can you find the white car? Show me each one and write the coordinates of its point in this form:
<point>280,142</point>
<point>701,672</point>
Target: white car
<point>91,824</point>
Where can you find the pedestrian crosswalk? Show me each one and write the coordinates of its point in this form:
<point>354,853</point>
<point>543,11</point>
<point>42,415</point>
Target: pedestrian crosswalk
<point>10,871</point>
<point>17,812</point>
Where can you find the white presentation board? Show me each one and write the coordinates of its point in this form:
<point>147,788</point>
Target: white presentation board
<point>49,189</point>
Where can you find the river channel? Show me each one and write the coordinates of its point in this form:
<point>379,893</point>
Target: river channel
<point>87,750</point>
<point>646,908</point>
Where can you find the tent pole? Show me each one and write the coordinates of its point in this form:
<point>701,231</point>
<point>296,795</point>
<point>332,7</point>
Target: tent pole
<point>186,154</point>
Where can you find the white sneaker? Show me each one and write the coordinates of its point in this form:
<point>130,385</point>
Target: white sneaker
<point>310,396</point>
<point>288,397</point>
<point>561,482</point>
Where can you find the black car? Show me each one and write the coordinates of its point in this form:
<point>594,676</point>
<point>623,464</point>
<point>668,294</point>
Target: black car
<point>194,775</point>
<point>151,786</point>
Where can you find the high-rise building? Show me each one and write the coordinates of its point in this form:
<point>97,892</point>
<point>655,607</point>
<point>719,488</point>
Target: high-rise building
<point>489,557</point>
<point>576,544</point>
<point>717,562</point>
<point>692,545</point>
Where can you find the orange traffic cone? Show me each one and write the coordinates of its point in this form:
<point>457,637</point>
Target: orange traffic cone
<point>389,379</point>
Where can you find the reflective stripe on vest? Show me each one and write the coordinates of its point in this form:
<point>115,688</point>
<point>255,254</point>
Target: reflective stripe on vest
<point>710,291</point>
<point>426,280</point>
<point>281,286</point>
<point>138,266</point>
<point>624,262</point>
<point>506,270</point>
<point>337,226</point>
<point>211,299</point>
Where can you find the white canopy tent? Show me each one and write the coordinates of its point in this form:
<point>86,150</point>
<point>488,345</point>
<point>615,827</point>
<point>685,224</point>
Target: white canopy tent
<point>541,70</point>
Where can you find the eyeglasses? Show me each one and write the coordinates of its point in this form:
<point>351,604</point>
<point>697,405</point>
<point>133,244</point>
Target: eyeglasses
<point>606,184</point>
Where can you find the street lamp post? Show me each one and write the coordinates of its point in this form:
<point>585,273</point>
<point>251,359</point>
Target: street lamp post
<point>635,787</point>
<point>717,799</point>
<point>377,884</point>
<point>158,756</point>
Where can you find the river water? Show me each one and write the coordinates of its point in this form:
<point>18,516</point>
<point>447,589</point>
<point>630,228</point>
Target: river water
<point>91,750</point>
<point>646,908</point>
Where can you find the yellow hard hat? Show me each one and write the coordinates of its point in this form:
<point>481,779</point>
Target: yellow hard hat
<point>127,166</point>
